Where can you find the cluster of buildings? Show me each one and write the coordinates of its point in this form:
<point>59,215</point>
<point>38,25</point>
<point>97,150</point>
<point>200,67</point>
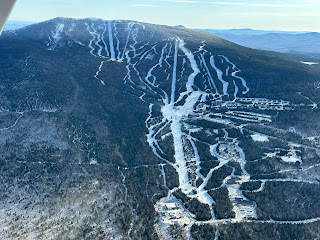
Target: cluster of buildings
<point>246,103</point>
<point>246,208</point>
<point>229,151</point>
<point>171,212</point>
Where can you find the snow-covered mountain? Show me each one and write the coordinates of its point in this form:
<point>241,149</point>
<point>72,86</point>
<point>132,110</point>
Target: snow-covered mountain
<point>128,130</point>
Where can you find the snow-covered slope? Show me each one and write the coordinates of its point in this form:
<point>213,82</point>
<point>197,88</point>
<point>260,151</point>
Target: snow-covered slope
<point>182,130</point>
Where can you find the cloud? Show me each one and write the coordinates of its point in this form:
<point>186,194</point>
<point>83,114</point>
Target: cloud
<point>259,4</point>
<point>145,5</point>
<point>184,1</point>
<point>291,4</point>
<point>228,3</point>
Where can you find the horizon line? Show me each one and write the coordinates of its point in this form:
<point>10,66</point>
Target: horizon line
<point>198,28</point>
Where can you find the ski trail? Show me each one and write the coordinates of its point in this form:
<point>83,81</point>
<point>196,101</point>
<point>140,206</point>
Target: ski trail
<point>164,176</point>
<point>166,61</point>
<point>179,156</point>
<point>118,41</point>
<point>91,41</point>
<point>135,42</point>
<point>207,178</point>
<point>142,96</point>
<point>209,74</point>
<point>174,73</point>
<point>14,124</point>
<point>125,47</point>
<point>263,183</point>
<point>98,39</point>
<point>162,55</point>
<point>205,77</point>
<point>168,55</point>
<point>145,54</point>
<point>184,61</point>
<point>216,237</point>
<point>197,157</point>
<point>128,76</point>
<point>155,50</point>
<point>242,80</point>
<point>57,35</point>
<point>220,76</point>
<point>194,66</point>
<point>147,84</point>
<point>104,42</point>
<point>150,136</point>
<point>234,74</point>
<point>157,133</point>
<point>201,48</point>
<point>98,72</point>
<point>113,55</point>
<point>227,71</point>
<point>159,64</point>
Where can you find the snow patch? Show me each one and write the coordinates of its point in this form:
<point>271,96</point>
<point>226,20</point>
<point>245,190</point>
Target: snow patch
<point>57,35</point>
<point>257,137</point>
<point>291,158</point>
<point>310,63</point>
<point>55,38</point>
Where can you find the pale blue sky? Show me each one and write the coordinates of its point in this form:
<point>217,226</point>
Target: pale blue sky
<point>297,15</point>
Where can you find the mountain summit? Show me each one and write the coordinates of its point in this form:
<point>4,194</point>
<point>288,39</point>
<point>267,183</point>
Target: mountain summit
<point>128,130</point>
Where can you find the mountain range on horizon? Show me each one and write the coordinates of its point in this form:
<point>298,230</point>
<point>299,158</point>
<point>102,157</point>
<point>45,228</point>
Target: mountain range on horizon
<point>129,130</point>
<point>305,43</point>
<point>302,43</point>
<point>15,24</point>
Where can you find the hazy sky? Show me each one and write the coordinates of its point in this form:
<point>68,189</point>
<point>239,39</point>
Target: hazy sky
<point>295,15</point>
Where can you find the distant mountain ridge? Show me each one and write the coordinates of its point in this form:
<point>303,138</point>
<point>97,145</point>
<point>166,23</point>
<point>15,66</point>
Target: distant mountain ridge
<point>249,31</point>
<point>307,43</point>
<point>13,25</point>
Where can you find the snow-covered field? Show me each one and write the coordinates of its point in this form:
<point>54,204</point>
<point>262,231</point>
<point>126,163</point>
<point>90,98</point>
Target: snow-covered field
<point>310,63</point>
<point>259,137</point>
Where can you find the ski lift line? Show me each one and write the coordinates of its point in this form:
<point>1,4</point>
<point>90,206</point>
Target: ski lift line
<point>6,7</point>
